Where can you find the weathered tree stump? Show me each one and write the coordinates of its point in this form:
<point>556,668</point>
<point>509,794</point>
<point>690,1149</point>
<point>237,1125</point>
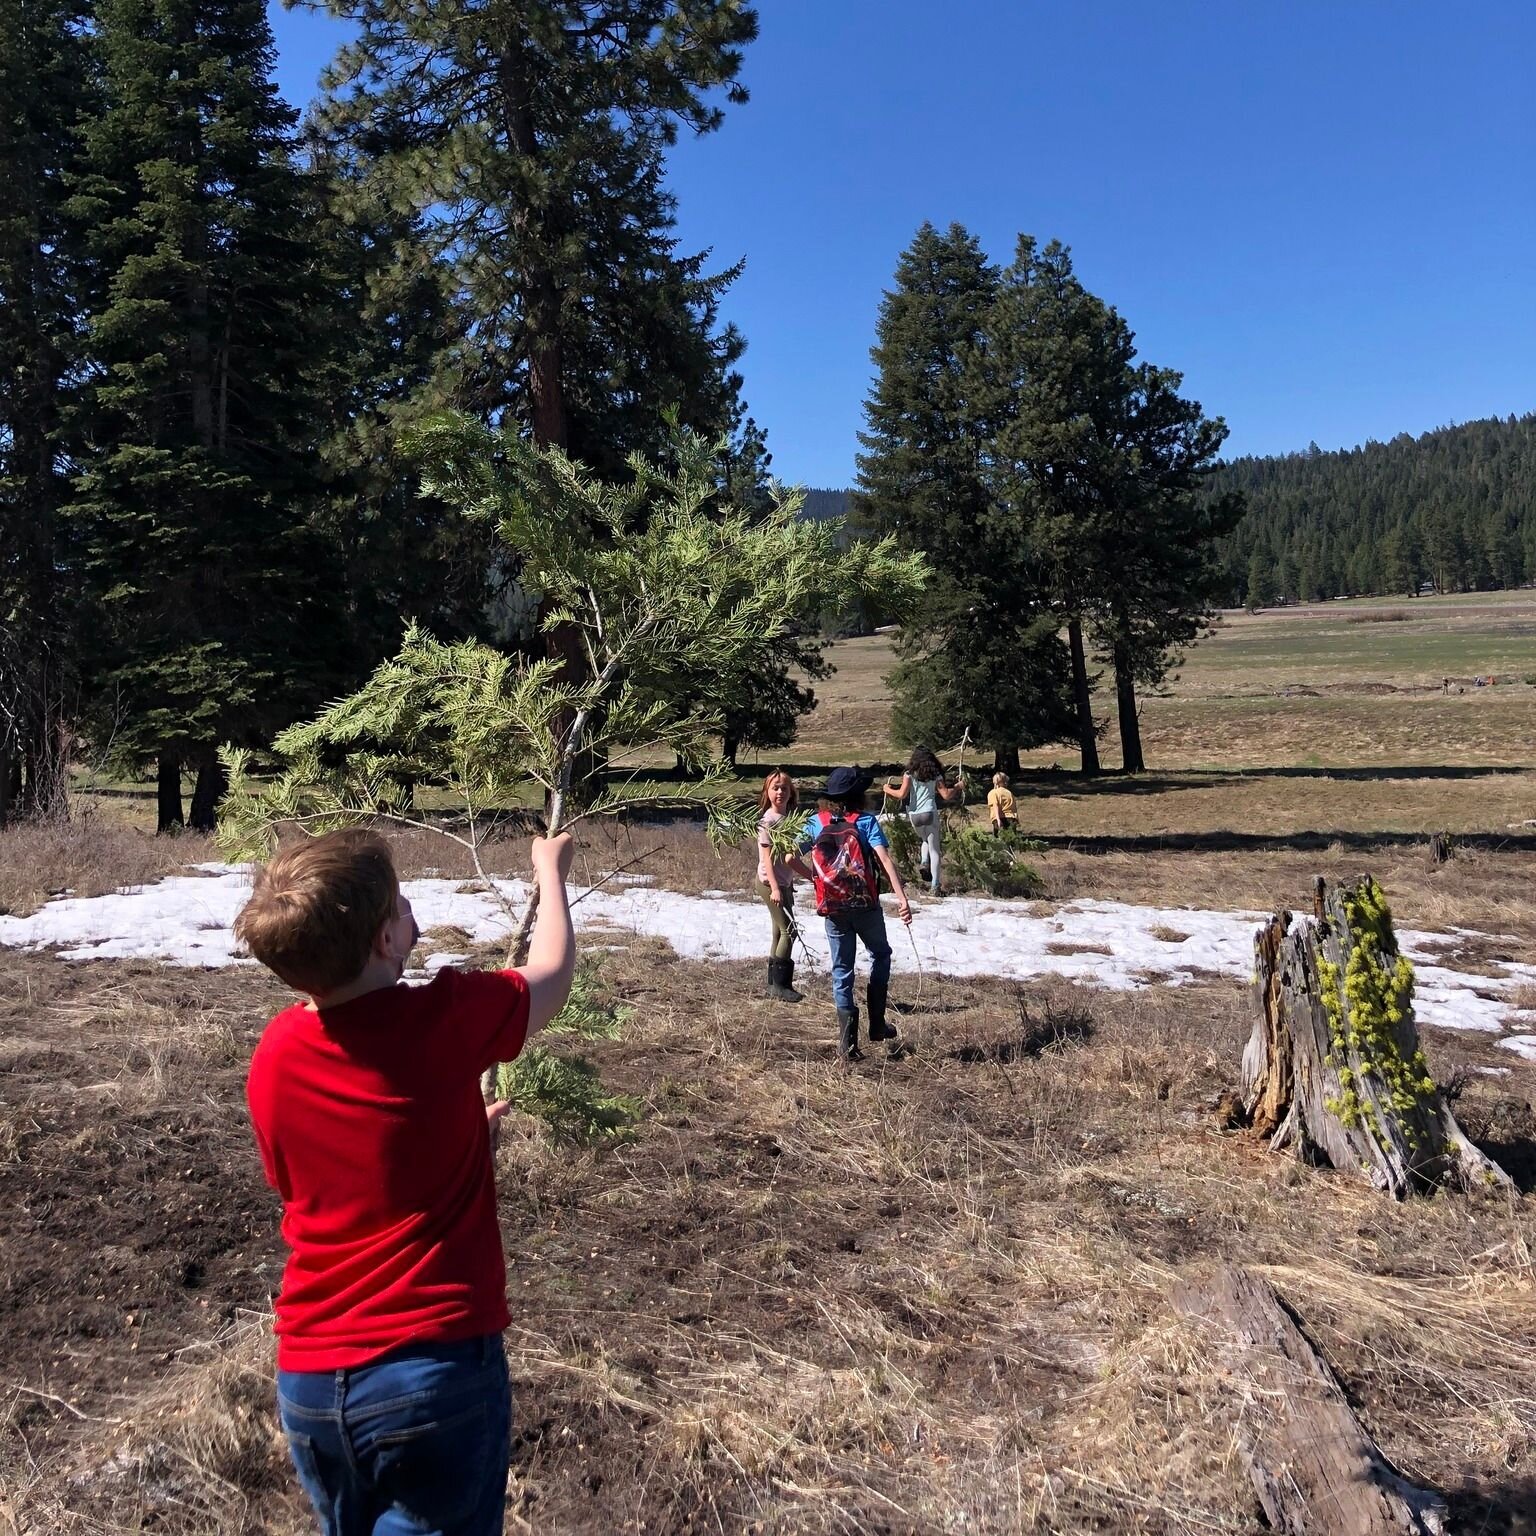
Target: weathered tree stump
<point>1314,1468</point>
<point>1333,1070</point>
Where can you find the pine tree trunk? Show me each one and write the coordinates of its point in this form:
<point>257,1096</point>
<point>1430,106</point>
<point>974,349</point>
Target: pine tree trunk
<point>1087,734</point>
<point>1333,1070</point>
<point>1006,760</point>
<point>1125,704</point>
<point>168,793</point>
<point>212,782</point>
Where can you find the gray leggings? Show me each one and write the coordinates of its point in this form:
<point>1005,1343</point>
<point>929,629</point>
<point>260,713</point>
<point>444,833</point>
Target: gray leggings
<point>930,847</point>
<point>783,914</point>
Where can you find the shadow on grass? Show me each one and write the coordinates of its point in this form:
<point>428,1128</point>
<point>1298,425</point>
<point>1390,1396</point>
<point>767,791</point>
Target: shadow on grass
<point>1114,782</point>
<point>1229,841</point>
<point>1506,1509</point>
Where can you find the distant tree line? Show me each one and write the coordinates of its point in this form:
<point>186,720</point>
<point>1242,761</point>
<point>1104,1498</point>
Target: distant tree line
<point>1058,486</point>
<point>215,327</point>
<point>1451,511</point>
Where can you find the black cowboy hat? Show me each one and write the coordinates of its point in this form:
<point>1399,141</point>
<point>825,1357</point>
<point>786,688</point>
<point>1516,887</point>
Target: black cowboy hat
<point>843,783</point>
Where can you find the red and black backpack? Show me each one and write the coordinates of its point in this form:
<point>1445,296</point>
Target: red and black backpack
<point>844,869</point>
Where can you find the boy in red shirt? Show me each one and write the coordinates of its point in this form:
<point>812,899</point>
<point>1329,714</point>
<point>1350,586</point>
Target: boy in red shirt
<point>392,1383</point>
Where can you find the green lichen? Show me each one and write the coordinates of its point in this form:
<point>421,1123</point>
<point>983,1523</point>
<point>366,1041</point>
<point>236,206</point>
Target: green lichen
<point>1365,1014</point>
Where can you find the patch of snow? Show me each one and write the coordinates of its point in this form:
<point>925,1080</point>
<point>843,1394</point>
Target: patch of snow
<point>186,920</point>
<point>1522,1045</point>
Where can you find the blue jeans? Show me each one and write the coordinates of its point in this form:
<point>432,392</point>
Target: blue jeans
<point>415,1444</point>
<point>843,935</point>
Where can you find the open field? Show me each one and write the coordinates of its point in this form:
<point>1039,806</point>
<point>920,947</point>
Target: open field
<point>1348,684</point>
<point>929,1295</point>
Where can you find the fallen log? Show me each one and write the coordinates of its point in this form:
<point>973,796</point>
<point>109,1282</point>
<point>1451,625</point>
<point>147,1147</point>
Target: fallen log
<point>1333,1070</point>
<point>1314,1468</point>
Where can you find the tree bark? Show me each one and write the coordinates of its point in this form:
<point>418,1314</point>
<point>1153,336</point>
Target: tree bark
<point>1087,733</point>
<point>212,781</point>
<point>1333,1070</point>
<point>1006,760</point>
<point>1125,704</point>
<point>168,793</point>
<point>1315,1470</point>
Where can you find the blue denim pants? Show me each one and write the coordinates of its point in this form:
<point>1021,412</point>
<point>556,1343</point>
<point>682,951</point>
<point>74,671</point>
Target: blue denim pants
<point>843,935</point>
<point>415,1444</point>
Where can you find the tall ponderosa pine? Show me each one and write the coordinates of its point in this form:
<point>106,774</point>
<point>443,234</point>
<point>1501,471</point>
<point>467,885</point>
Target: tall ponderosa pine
<point>981,651</point>
<point>1100,460</point>
<point>46,85</point>
<point>1054,355</point>
<point>1159,588</point>
<point>401,556</point>
<point>535,130</point>
<point>201,571</point>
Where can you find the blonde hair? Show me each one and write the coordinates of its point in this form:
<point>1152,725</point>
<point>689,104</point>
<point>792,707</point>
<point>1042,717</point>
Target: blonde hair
<point>794,792</point>
<point>317,907</point>
<point>1000,780</point>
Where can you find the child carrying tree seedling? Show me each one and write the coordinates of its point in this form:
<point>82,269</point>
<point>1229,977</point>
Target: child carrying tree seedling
<point>392,1382</point>
<point>843,842</point>
<point>922,789</point>
<point>1002,809</point>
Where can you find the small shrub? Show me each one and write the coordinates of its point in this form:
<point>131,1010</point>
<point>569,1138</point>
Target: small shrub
<point>1381,616</point>
<point>974,860</point>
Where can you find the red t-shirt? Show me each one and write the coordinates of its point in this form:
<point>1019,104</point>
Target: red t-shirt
<point>372,1128</point>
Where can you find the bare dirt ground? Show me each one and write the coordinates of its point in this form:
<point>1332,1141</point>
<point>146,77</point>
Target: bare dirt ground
<point>930,1295</point>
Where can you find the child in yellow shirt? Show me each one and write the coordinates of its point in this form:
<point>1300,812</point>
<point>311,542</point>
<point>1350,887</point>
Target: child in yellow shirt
<point>1000,805</point>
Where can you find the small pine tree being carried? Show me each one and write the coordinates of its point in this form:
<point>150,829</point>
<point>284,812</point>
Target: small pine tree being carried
<point>661,593</point>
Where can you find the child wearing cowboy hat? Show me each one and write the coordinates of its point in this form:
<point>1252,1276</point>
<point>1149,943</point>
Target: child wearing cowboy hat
<point>844,842</point>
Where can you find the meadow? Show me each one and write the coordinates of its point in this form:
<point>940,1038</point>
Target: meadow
<point>928,1295</point>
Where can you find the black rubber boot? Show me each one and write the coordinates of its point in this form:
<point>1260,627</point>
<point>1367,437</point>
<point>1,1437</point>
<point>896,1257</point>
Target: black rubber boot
<point>848,1034</point>
<point>780,974</point>
<point>874,1001</point>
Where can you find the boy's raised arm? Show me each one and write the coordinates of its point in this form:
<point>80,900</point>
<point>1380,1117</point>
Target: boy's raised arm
<point>552,950</point>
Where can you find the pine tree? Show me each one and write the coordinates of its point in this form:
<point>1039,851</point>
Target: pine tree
<point>982,651</point>
<point>1159,586</point>
<point>401,557</point>
<point>201,573</point>
<point>1057,361</point>
<point>1100,459</point>
<point>46,85</point>
<point>536,130</point>
<point>1261,582</point>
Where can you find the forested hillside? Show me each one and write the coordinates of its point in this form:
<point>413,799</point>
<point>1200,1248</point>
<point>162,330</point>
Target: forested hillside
<point>1454,509</point>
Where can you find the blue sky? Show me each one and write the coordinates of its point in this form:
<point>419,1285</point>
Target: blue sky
<point>1322,211</point>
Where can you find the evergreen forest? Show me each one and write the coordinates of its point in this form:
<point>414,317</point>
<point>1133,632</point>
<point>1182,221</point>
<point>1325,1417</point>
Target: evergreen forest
<point>1451,511</point>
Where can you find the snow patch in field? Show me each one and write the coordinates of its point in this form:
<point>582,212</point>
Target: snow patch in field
<point>1522,1045</point>
<point>186,920</point>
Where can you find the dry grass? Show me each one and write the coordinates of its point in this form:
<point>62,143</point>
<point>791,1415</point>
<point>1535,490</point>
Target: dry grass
<point>1344,684</point>
<point>929,1295</point>
<point>85,856</point>
<point>197,1450</point>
